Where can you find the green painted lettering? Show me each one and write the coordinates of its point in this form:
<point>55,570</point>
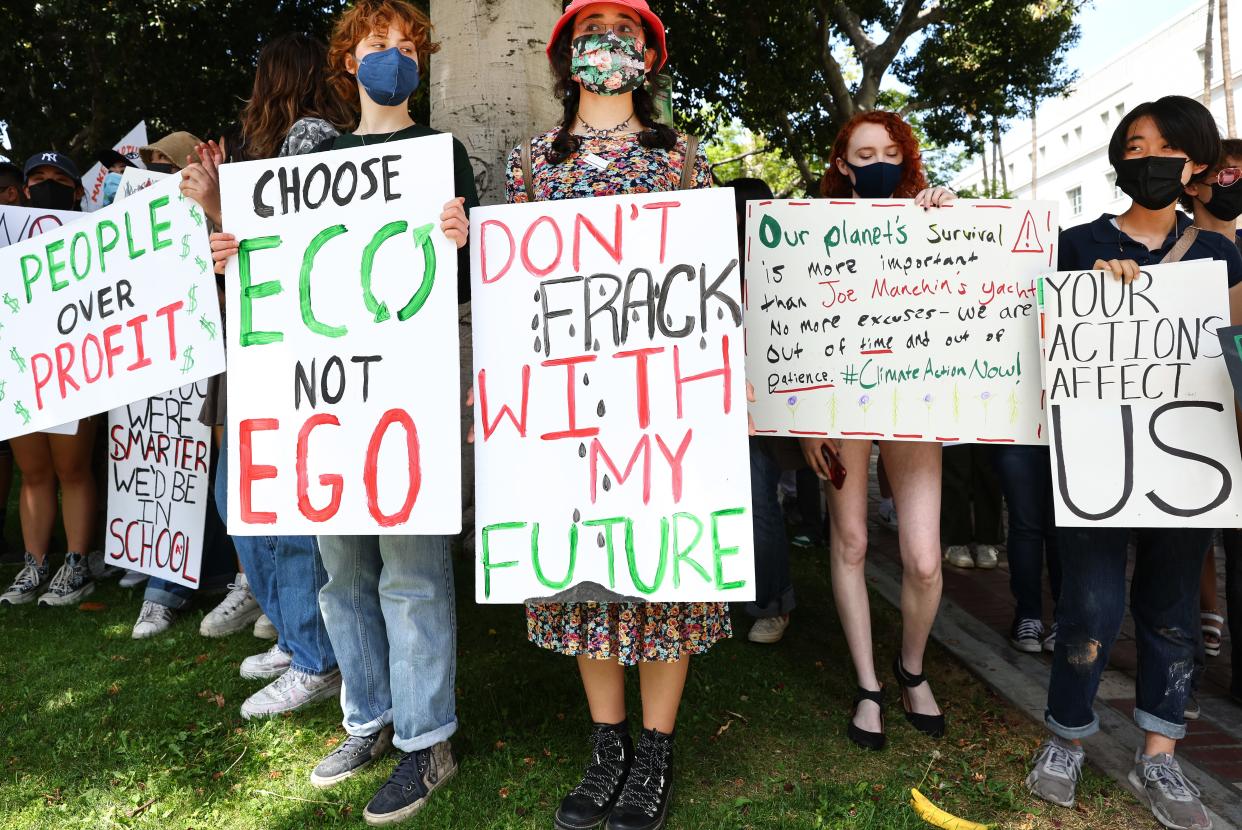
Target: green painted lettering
<point>682,554</point>
<point>304,286</point>
<point>157,226</point>
<point>554,585</point>
<point>74,261</point>
<point>105,247</point>
<point>28,279</point>
<point>642,587</point>
<point>250,292</point>
<point>134,253</point>
<point>719,553</point>
<point>488,564</point>
<point>54,266</point>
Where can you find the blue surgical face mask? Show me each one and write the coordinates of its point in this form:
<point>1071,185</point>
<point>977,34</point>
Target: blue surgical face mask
<point>877,180</point>
<point>389,77</point>
<point>111,183</point>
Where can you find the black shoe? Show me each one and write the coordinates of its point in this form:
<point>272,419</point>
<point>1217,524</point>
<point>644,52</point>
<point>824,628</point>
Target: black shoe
<point>861,737</point>
<point>417,776</point>
<point>588,804</point>
<point>643,804</point>
<point>930,725</point>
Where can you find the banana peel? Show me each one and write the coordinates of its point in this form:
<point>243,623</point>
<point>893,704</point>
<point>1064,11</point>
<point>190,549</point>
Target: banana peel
<point>937,817</point>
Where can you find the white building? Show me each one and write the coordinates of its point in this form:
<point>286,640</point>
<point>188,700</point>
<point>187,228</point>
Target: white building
<point>1073,132</point>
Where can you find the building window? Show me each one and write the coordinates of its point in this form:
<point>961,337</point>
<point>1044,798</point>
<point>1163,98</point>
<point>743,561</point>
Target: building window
<point>1121,110</point>
<point>1011,168</point>
<point>1041,152</point>
<point>1078,133</point>
<point>1112,185</point>
<point>1065,139</point>
<point>1104,118</point>
<point>1074,197</point>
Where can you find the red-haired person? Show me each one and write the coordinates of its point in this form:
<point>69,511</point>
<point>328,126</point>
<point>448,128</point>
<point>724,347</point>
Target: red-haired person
<point>876,156</point>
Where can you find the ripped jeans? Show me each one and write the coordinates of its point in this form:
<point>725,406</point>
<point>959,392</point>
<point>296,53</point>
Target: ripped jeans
<point>1164,601</point>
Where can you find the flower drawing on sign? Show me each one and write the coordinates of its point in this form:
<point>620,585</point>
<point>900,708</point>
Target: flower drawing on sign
<point>957,405</point>
<point>896,405</point>
<point>833,411</point>
<point>1013,406</point>
<point>793,403</point>
<point>986,397</point>
<point>864,403</point>
<point>929,400</point>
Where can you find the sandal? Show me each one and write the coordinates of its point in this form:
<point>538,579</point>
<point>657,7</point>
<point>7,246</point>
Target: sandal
<point>861,737</point>
<point>1211,623</point>
<point>930,725</point>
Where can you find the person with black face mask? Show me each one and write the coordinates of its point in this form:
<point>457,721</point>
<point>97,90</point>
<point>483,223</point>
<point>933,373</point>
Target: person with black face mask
<point>1160,149</point>
<point>53,182</point>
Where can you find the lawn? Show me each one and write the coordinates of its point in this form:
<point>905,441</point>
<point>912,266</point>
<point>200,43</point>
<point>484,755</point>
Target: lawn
<point>101,731</point>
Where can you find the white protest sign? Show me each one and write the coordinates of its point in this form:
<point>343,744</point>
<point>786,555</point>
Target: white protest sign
<point>18,223</point>
<point>1140,407</point>
<point>610,412</point>
<point>880,320</point>
<point>136,178</point>
<point>343,383</point>
<point>112,308</point>
<point>159,455</point>
<point>128,146</point>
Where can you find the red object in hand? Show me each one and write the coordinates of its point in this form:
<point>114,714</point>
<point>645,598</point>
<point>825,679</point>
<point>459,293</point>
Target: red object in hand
<point>836,470</point>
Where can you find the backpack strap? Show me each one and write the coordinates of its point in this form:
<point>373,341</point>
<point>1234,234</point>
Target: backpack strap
<point>527,177</point>
<point>1182,245</point>
<point>687,162</point>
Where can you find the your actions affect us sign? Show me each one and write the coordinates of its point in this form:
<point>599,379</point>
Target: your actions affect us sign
<point>116,306</point>
<point>343,386</point>
<point>882,320</point>
<point>610,414</point>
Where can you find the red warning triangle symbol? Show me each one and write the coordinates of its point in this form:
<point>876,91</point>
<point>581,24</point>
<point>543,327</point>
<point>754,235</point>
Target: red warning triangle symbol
<point>1028,237</point>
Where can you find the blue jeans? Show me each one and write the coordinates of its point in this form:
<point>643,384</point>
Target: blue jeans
<point>285,576</point>
<point>774,594</point>
<point>389,609</point>
<point>1164,601</point>
<point>1025,474</point>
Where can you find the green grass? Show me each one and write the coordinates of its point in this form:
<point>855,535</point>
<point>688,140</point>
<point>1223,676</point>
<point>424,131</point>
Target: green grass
<point>101,731</point>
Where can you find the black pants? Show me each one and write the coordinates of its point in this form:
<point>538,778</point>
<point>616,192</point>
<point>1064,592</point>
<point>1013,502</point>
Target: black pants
<point>967,480</point>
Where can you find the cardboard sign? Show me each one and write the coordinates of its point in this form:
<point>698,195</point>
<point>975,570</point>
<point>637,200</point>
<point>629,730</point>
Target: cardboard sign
<point>136,178</point>
<point>159,455</point>
<point>128,146</point>
<point>1231,350</point>
<point>1139,404</point>
<point>112,308</point>
<point>610,416</point>
<point>343,384</point>
<point>19,223</point>
<point>882,320</point>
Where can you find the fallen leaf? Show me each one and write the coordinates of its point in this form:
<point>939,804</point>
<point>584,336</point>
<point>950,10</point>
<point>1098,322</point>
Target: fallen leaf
<point>93,606</point>
<point>200,659</point>
<point>504,792</point>
<point>114,689</point>
<point>274,774</point>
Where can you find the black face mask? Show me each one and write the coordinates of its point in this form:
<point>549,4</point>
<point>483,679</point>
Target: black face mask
<point>1154,182</point>
<point>157,167</point>
<point>877,180</point>
<point>1226,204</point>
<point>51,195</point>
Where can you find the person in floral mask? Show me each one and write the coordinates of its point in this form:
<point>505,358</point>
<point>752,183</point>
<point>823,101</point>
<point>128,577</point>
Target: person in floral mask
<point>611,142</point>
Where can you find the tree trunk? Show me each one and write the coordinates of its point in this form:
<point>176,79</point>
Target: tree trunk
<point>1207,57</point>
<point>996,161</point>
<point>999,169</point>
<point>1226,70</point>
<point>1034,146</point>
<point>983,157</point>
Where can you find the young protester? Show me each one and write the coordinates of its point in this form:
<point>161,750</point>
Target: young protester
<point>1158,149</point>
<point>290,112</point>
<point>11,183</point>
<point>388,604</point>
<point>611,142</point>
<point>876,156</point>
<point>970,511</point>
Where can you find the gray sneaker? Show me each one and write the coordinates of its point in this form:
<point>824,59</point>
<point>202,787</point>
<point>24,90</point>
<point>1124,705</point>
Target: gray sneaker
<point>72,582</point>
<point>350,757</point>
<point>238,610</point>
<point>153,619</point>
<point>1173,800</point>
<point>100,567</point>
<point>30,580</point>
<point>292,690</point>
<point>271,663</point>
<point>1055,771</point>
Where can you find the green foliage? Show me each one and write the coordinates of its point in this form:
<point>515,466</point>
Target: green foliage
<point>736,152</point>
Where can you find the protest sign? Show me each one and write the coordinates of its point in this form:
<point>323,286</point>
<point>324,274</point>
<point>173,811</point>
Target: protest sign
<point>114,307</point>
<point>18,223</point>
<point>128,146</point>
<point>1231,350</point>
<point>158,460</point>
<point>610,416</point>
<point>344,395</point>
<point>136,178</point>
<point>882,320</point>
<point>1140,411</point>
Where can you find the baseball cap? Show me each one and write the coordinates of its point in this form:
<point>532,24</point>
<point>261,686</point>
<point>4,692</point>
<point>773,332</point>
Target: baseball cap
<point>51,158</point>
<point>110,157</point>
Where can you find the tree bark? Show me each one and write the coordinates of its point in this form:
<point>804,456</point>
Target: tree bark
<point>1226,69</point>
<point>1000,156</point>
<point>1034,146</point>
<point>1207,57</point>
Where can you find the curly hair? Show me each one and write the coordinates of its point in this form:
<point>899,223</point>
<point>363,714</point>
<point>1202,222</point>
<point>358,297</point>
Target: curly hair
<point>358,21</point>
<point>836,184</point>
<point>656,135</point>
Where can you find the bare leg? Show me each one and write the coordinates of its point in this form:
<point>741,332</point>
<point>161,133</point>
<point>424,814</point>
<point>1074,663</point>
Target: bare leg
<point>914,470</point>
<point>604,684</point>
<point>71,457</point>
<point>661,685</point>
<point>847,515</point>
<point>1154,744</point>
<point>37,503</point>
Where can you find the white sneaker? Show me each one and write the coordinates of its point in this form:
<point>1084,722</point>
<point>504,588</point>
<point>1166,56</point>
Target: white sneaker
<point>263,628</point>
<point>153,619</point>
<point>769,629</point>
<point>1050,642</point>
<point>133,579</point>
<point>887,514</point>
<point>959,556</point>
<point>100,567</point>
<point>271,663</point>
<point>292,690</point>
<point>985,557</point>
<point>238,610</point>
<point>30,580</point>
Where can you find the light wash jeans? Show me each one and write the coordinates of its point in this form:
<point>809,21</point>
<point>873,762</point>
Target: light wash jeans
<point>389,609</point>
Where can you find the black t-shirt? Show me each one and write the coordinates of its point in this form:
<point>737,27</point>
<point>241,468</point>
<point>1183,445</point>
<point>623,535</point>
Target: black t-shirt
<point>463,182</point>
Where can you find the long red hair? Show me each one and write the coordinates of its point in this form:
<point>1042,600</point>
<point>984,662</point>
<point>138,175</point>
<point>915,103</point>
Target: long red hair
<point>837,185</point>
<point>358,21</point>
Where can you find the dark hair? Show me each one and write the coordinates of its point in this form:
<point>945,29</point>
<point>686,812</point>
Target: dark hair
<point>1185,124</point>
<point>1229,148</point>
<point>657,136</point>
<point>289,84</point>
<point>11,175</point>
<point>748,190</point>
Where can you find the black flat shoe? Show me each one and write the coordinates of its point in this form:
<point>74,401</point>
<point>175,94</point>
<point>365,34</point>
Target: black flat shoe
<point>861,737</point>
<point>930,725</point>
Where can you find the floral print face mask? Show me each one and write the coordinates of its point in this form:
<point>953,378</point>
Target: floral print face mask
<point>608,64</point>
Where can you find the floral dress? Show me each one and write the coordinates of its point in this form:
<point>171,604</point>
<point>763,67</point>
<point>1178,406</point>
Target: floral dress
<point>630,632</point>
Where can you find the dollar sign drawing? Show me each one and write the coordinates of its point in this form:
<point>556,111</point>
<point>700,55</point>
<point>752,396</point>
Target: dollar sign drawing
<point>193,299</point>
<point>208,326</point>
<point>188,364</point>
<point>18,359</point>
<point>201,263</point>
<point>2,385</point>
<point>196,216</point>
<point>11,302</point>
<point>185,246</point>
<point>23,412</point>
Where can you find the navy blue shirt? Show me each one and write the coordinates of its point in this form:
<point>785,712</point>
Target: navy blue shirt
<point>1082,245</point>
